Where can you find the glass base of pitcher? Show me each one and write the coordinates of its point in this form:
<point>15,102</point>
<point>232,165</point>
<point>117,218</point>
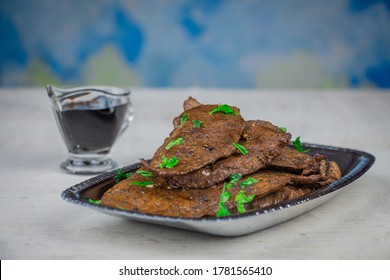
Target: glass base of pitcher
<point>88,166</point>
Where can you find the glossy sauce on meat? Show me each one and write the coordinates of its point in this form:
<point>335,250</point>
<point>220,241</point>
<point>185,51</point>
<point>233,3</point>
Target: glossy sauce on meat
<point>263,141</point>
<point>207,158</point>
<point>200,145</point>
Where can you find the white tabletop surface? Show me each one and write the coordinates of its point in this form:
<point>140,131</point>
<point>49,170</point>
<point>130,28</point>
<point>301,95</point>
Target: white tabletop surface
<point>36,223</point>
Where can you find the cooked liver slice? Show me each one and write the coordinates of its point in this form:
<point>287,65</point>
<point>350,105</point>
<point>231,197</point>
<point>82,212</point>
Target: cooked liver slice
<point>201,146</point>
<point>188,203</point>
<point>191,103</point>
<point>264,142</point>
<point>316,169</point>
<point>196,203</point>
<point>282,195</point>
<point>207,157</point>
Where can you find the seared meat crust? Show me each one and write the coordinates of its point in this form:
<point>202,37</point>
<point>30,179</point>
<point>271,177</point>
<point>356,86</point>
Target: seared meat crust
<point>188,203</point>
<point>282,195</point>
<point>201,146</point>
<point>315,169</point>
<point>195,203</point>
<point>291,160</point>
<point>263,141</point>
<point>207,157</point>
<point>191,103</point>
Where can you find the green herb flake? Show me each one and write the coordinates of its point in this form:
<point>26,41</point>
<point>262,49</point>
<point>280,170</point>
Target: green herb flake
<point>196,123</point>
<point>297,143</point>
<point>234,178</point>
<point>169,162</point>
<point>223,211</point>
<point>241,199</point>
<point>283,129</point>
<point>142,184</point>
<point>184,118</point>
<point>93,201</point>
<point>178,141</point>
<point>120,175</point>
<point>248,182</point>
<point>241,148</point>
<point>223,108</point>
<point>144,173</point>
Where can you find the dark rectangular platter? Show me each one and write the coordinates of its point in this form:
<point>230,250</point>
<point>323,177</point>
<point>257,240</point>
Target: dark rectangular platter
<point>353,164</point>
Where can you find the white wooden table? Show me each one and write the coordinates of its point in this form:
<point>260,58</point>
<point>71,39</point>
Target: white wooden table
<point>37,224</point>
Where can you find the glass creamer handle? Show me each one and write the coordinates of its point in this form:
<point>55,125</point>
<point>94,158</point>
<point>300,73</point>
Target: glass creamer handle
<point>128,118</point>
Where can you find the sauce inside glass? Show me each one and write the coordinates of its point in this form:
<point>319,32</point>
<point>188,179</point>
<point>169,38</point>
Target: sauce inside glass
<point>91,130</point>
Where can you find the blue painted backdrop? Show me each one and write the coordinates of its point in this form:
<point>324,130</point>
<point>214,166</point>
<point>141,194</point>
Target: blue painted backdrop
<point>220,43</point>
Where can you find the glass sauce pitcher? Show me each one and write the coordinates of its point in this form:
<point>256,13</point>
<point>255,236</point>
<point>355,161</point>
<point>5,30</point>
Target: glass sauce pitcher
<point>90,120</point>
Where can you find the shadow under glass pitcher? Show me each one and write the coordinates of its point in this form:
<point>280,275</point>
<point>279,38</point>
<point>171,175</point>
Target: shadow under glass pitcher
<point>90,120</point>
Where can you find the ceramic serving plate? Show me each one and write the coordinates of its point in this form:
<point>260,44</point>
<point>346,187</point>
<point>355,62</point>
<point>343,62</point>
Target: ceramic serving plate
<point>352,163</point>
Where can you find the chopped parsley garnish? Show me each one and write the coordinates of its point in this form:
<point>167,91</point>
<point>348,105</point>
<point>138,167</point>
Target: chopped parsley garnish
<point>248,182</point>
<point>93,201</point>
<point>241,148</point>
<point>234,178</point>
<point>142,184</point>
<point>297,143</point>
<point>144,173</point>
<point>283,129</point>
<point>184,118</point>
<point>224,197</point>
<point>169,162</point>
<point>196,123</point>
<point>120,175</point>
<point>223,108</point>
<point>241,199</point>
<point>178,141</point>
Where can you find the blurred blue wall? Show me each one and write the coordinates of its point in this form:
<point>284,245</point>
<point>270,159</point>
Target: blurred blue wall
<point>180,43</point>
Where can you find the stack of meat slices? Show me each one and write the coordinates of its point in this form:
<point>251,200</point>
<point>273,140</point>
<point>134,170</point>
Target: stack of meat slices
<point>211,157</point>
